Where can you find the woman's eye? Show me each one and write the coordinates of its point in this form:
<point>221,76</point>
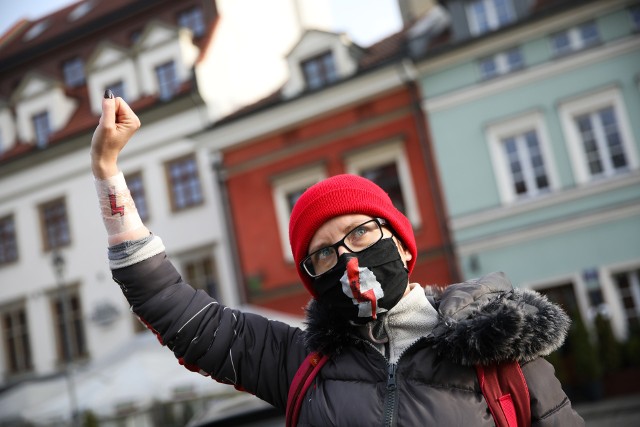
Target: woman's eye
<point>323,254</point>
<point>359,232</point>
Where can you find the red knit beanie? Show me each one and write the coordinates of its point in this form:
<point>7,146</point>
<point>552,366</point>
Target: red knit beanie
<point>343,195</point>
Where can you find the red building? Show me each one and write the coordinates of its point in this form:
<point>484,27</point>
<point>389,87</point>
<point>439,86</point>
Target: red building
<point>345,110</point>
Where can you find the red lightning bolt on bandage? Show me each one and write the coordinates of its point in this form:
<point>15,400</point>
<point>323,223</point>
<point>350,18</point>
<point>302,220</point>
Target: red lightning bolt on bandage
<point>353,274</point>
<point>114,208</point>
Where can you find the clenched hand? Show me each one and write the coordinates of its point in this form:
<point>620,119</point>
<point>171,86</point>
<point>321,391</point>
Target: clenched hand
<point>117,125</point>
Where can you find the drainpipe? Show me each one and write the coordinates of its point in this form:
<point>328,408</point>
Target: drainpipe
<point>220,176</point>
<point>408,75</point>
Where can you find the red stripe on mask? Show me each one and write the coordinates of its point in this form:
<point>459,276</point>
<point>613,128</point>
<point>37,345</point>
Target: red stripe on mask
<point>353,274</point>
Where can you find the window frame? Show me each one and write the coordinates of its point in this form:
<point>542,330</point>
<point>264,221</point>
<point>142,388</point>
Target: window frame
<point>47,246</point>
<point>281,187</point>
<point>198,258</point>
<point>190,16</point>
<point>325,76</point>
<point>634,14</point>
<point>497,132</point>
<point>166,89</point>
<point>492,17</point>
<point>575,39</point>
<point>37,121</point>
<point>570,109</point>
<point>73,72</point>
<point>380,155</point>
<point>23,348</point>
<point>170,183</point>
<point>14,237</point>
<point>633,276</point>
<point>501,63</point>
<point>123,91</point>
<point>79,344</point>
<point>131,179</point>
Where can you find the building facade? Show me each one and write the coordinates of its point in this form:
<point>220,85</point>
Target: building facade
<point>532,109</point>
<point>173,63</point>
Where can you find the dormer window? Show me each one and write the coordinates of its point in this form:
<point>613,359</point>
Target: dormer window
<point>192,19</point>
<point>117,88</point>
<point>319,70</point>
<point>167,80</point>
<point>42,128</point>
<point>575,38</point>
<point>36,30</point>
<point>489,15</point>
<point>73,71</point>
<point>501,63</point>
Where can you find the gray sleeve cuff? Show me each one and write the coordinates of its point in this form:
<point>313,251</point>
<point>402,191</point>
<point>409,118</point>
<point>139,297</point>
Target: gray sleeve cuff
<point>133,251</point>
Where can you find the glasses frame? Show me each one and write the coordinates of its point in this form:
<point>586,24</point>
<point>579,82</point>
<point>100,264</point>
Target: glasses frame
<point>378,221</point>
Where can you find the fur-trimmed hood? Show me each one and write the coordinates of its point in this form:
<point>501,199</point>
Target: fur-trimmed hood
<point>480,321</point>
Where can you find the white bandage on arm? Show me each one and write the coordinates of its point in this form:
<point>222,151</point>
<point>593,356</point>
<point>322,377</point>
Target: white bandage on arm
<point>118,209</point>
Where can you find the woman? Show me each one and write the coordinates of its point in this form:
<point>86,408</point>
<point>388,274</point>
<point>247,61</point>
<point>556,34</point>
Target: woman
<point>399,354</point>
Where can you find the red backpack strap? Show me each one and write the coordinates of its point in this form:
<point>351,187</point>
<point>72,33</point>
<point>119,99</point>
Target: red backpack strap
<point>300,384</point>
<point>505,390</point>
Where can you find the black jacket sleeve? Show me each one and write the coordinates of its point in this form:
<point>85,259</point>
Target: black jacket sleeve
<point>253,353</point>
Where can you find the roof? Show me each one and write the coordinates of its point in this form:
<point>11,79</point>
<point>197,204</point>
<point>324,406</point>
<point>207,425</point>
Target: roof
<point>81,26</point>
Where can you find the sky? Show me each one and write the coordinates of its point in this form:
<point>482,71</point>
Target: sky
<point>365,21</point>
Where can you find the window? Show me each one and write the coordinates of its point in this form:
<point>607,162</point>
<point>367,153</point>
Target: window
<point>81,10</point>
<point>136,187</point>
<point>118,89</point>
<point>15,337</point>
<point>41,128</point>
<point>526,164</point>
<point>501,63</point>
<point>601,142</point>
<point>200,272</point>
<point>194,20</point>
<point>184,183</point>
<point>598,136</point>
<point>628,284</point>
<point>489,15</point>
<point>287,189</point>
<point>167,80</point>
<point>386,176</point>
<point>319,71</point>
<point>387,166</point>
<point>55,226</point>
<point>35,31</point>
<point>135,35</point>
<point>635,17</point>
<point>8,242</point>
<point>69,326</point>
<point>73,71</point>
<point>575,38</point>
<point>521,157</point>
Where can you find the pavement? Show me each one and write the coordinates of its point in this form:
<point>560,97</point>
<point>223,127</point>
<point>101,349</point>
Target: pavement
<point>614,412</point>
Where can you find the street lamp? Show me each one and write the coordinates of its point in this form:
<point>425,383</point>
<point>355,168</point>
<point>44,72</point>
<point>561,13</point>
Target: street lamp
<point>58,262</point>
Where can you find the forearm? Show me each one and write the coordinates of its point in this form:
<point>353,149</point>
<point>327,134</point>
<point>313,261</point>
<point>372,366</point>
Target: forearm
<point>118,210</point>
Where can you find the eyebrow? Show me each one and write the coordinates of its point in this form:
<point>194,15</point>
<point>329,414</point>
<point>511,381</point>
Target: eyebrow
<point>346,229</point>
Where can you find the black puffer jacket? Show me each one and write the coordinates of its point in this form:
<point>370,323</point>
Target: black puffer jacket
<point>480,321</point>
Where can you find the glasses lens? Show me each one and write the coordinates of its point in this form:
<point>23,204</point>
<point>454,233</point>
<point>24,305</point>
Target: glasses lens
<point>363,236</point>
<point>321,261</point>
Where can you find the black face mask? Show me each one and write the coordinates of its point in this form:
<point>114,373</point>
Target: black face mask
<point>362,286</point>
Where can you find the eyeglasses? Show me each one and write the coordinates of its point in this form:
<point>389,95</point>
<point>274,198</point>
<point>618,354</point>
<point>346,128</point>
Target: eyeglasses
<point>357,240</point>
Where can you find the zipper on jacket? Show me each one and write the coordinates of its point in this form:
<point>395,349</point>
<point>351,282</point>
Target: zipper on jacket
<point>391,400</point>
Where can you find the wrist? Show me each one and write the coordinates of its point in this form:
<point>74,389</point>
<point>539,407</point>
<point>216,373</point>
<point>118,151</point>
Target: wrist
<point>103,169</point>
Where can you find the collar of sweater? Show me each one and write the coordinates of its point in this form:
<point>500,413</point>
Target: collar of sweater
<point>412,318</point>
